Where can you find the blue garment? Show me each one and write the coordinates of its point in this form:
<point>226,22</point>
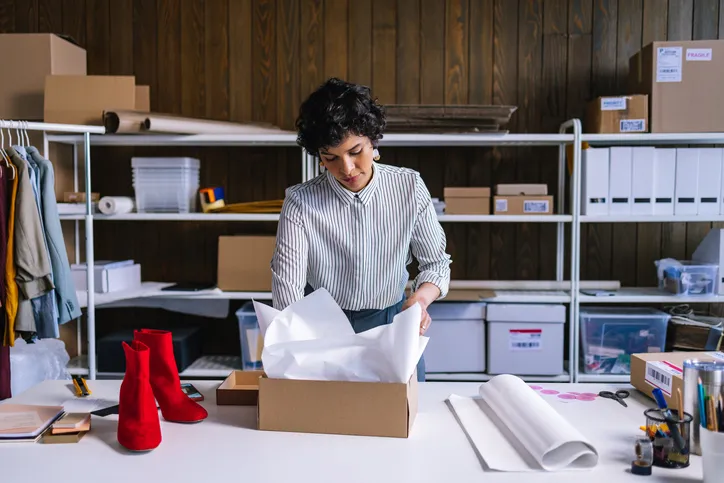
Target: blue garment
<point>67,300</point>
<point>45,307</point>
<point>363,320</point>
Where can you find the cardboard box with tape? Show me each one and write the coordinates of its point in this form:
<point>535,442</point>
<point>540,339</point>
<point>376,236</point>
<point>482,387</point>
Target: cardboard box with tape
<point>619,114</point>
<point>467,201</point>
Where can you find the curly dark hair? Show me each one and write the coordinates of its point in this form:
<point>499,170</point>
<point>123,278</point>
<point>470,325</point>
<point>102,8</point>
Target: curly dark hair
<point>338,108</point>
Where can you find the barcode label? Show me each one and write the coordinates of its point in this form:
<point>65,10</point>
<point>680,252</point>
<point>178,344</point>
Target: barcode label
<point>632,125</point>
<point>661,374</point>
<point>501,205</point>
<point>526,339</point>
<point>537,206</point>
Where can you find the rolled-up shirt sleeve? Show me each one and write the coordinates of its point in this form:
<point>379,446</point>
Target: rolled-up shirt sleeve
<point>428,243</point>
<point>289,262</point>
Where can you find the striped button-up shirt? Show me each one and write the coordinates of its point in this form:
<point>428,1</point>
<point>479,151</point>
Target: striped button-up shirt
<point>357,245</point>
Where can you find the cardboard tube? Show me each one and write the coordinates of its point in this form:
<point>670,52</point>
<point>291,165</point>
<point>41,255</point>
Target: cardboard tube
<point>183,125</point>
<point>117,122</point>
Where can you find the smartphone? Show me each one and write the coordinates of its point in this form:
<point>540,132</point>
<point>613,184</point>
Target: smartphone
<point>191,391</point>
<point>188,287</point>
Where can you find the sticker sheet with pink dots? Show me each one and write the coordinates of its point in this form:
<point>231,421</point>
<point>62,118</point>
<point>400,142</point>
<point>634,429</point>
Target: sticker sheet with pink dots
<point>565,396</point>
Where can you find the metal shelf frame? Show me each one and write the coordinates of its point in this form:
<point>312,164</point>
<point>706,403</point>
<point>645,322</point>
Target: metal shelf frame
<point>570,134</point>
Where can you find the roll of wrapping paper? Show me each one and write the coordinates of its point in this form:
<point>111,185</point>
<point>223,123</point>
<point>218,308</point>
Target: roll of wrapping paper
<point>271,206</point>
<point>122,121</point>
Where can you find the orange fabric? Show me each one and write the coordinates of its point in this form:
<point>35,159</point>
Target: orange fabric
<point>11,290</point>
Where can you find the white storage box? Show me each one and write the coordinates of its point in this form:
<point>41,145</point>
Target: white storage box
<point>114,279</point>
<point>525,339</point>
<point>457,337</point>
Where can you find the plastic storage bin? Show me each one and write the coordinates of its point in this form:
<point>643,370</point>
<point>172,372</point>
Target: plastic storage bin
<point>687,277</point>
<point>250,338</point>
<point>610,335</point>
<point>525,339</point>
<point>165,184</point>
<point>457,337</point>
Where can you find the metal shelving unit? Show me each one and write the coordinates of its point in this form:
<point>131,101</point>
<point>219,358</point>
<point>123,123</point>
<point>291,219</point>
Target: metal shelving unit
<point>310,169</point>
<point>570,133</point>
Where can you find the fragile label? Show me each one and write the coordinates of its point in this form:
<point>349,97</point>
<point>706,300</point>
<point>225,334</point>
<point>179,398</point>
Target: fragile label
<point>526,339</point>
<point>535,206</point>
<point>613,103</point>
<point>701,55</point>
<point>661,374</point>
<point>501,205</point>
<point>632,125</point>
<point>668,64</point>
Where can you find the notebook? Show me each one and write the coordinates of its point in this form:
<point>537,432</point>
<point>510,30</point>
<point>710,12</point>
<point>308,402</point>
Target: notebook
<point>24,422</point>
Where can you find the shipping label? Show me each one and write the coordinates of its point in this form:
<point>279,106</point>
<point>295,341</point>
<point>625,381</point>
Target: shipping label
<point>632,125</point>
<point>535,206</point>
<point>668,64</point>
<point>526,339</point>
<point>698,55</point>
<point>613,104</point>
<point>661,374</point>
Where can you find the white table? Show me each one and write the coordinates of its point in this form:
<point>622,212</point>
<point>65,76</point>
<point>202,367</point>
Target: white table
<point>227,448</point>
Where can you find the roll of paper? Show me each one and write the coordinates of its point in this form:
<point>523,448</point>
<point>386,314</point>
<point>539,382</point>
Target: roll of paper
<point>116,205</point>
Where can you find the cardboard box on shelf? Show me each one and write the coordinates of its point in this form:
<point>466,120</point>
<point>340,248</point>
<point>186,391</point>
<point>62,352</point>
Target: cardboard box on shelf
<point>521,189</point>
<point>244,263</point>
<point>241,388</point>
<point>615,115</point>
<point>71,99</point>
<point>338,407</point>
<point>467,201</point>
<point>664,370</point>
<point>682,80</point>
<point>35,56</point>
<point>523,205</point>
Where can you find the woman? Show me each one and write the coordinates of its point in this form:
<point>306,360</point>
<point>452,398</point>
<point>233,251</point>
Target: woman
<point>354,229</point>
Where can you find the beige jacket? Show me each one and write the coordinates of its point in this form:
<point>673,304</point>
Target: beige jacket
<point>31,257</point>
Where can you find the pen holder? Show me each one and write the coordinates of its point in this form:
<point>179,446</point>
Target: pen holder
<point>712,453</point>
<point>667,453</point>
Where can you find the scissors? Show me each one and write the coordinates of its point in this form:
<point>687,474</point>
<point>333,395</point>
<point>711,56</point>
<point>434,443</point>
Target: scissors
<point>617,396</point>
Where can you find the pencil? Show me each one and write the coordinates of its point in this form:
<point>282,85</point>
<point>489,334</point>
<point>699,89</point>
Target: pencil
<point>680,400</point>
<point>702,404</point>
<point>714,415</point>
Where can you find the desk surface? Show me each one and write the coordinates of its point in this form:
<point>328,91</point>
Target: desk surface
<point>226,447</point>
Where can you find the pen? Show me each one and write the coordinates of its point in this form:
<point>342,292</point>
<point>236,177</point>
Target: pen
<point>702,404</point>
<point>672,422</point>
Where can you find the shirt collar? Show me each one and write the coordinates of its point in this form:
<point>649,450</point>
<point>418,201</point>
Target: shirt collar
<point>365,194</point>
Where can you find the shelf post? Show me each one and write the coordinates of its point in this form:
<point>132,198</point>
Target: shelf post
<point>89,259</point>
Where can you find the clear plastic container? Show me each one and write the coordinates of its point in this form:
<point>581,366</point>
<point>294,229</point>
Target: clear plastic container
<point>166,185</point>
<point>609,335</point>
<point>250,338</point>
<point>162,162</point>
<point>684,277</point>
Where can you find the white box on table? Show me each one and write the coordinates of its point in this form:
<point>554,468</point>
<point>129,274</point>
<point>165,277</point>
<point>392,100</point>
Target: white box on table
<point>457,337</point>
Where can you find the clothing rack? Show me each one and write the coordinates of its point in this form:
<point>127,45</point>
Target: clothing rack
<point>90,281</point>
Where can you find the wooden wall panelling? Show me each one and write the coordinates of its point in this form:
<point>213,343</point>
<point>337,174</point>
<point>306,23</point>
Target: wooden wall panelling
<point>288,42</point>
<point>384,34</point>
<point>97,37</point>
<point>50,15</point>
<point>529,115</point>
<point>121,38</point>
<point>335,39</point>
<point>648,240</point>
<point>360,42</point>
<point>480,91</point>
<point>263,63</point>
<point>505,82</point>
<point>7,16</point>
<point>312,46</point>
<point>578,93</point>
<point>240,60</point>
<point>173,53</point>
<point>216,57</point>
<point>193,55</point>
<point>407,60</point>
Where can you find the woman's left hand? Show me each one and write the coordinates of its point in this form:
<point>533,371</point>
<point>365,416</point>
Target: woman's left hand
<point>425,319</point>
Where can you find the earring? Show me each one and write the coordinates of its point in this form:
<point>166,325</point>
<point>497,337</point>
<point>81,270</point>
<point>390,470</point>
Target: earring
<point>375,154</point>
<point>321,164</point>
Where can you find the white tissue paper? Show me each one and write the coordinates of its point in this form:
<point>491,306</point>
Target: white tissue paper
<point>312,339</point>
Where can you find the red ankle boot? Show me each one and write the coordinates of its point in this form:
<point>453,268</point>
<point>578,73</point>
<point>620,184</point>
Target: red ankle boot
<point>139,428</point>
<point>175,405</point>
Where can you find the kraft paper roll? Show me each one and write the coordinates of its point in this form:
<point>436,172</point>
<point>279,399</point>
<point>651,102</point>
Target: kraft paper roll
<point>121,121</point>
<point>116,205</point>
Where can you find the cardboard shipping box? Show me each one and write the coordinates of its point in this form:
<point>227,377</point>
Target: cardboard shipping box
<point>664,370</point>
<point>521,189</point>
<point>338,407</point>
<point>683,81</point>
<point>615,115</point>
<point>82,99</point>
<point>523,205</point>
<point>143,98</point>
<point>467,201</point>
<point>244,263</point>
<point>30,58</point>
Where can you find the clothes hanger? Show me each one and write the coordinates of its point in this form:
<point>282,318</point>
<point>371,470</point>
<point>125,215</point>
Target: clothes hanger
<point>25,132</point>
<point>6,158</point>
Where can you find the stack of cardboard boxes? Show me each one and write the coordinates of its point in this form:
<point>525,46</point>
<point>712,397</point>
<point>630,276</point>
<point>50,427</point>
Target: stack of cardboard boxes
<point>55,87</point>
<point>673,87</point>
<point>510,199</point>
